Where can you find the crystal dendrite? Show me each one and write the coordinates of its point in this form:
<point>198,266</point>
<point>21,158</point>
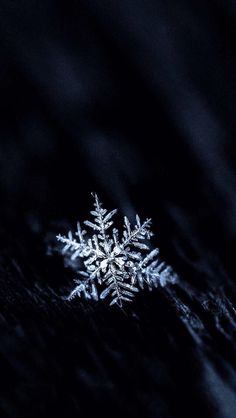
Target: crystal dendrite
<point>110,266</point>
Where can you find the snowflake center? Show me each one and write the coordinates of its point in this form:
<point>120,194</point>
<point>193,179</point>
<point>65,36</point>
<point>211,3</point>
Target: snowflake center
<point>111,258</point>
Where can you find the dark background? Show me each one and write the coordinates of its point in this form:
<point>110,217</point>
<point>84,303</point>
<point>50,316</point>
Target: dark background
<point>134,100</point>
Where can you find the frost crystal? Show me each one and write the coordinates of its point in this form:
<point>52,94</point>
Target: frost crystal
<point>111,266</point>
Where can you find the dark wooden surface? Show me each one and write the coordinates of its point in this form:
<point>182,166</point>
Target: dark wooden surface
<point>170,353</point>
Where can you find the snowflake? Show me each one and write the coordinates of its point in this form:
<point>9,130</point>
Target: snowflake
<point>120,267</point>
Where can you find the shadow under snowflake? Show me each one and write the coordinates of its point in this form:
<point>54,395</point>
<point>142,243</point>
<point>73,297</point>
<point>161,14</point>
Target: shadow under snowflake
<point>110,266</point>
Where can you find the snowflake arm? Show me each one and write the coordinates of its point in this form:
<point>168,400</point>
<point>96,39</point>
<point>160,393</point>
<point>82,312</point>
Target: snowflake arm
<point>102,219</point>
<point>72,244</point>
<point>140,232</point>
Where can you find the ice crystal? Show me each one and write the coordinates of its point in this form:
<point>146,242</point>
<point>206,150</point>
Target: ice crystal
<point>110,266</point>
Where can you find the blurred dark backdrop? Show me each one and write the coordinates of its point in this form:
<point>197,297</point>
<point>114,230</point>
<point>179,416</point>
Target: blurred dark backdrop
<point>134,100</point>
